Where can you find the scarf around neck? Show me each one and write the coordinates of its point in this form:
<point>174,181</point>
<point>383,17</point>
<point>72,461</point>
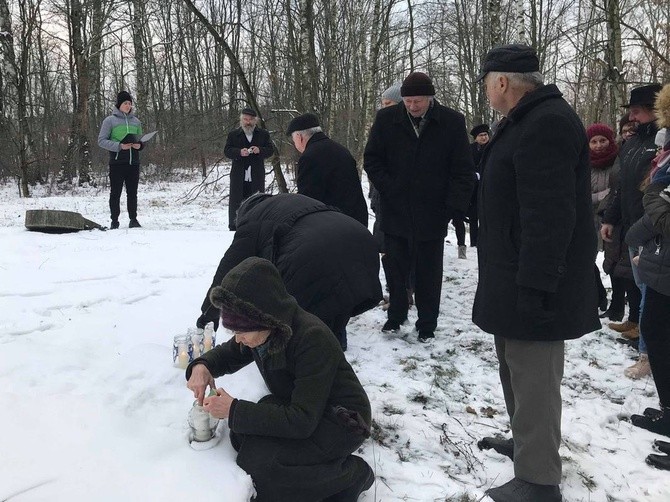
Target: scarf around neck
<point>604,159</point>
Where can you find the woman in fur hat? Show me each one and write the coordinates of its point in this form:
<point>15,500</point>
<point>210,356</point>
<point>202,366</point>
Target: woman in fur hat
<point>297,442</point>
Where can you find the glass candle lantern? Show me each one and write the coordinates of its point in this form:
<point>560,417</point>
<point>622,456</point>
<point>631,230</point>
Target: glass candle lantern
<point>198,341</point>
<point>182,351</point>
<point>209,337</point>
<point>202,424</point>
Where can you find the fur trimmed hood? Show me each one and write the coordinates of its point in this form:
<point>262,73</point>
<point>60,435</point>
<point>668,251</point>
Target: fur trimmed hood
<point>254,289</point>
<point>662,107</point>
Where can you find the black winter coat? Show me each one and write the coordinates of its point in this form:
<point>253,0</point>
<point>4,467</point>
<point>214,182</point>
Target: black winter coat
<point>302,364</point>
<point>236,141</point>
<point>635,159</point>
<point>329,262</point>
<point>327,172</point>
<point>421,180</point>
<point>536,227</point>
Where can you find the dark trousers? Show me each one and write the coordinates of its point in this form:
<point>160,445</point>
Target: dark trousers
<point>530,374</point>
<point>426,256</point>
<point>634,298</point>
<point>459,226</point>
<point>602,294</point>
<point>618,302</point>
<point>655,325</point>
<point>118,176</point>
<point>299,470</point>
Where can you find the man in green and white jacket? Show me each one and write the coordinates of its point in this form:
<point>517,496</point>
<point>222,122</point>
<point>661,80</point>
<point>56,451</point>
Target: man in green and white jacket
<point>120,134</point>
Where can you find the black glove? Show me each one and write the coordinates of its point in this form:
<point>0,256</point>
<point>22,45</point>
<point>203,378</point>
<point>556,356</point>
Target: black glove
<point>352,420</point>
<point>535,307</point>
<point>203,320</point>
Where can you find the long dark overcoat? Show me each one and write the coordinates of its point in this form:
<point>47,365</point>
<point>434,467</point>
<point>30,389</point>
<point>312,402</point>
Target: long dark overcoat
<point>536,226</point>
<point>327,172</point>
<point>420,179</point>
<point>237,140</point>
<point>329,262</point>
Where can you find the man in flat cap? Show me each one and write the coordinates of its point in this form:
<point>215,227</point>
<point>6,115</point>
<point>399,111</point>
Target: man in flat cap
<point>418,157</point>
<point>326,170</point>
<point>247,146</point>
<point>626,205</point>
<point>536,249</point>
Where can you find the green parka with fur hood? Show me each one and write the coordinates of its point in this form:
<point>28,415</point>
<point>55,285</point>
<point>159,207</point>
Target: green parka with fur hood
<point>302,363</point>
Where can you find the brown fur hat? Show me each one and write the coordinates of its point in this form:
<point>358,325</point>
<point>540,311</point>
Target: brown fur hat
<point>662,107</point>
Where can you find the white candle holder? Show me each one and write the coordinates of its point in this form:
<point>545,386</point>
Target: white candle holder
<point>182,351</point>
<point>209,337</point>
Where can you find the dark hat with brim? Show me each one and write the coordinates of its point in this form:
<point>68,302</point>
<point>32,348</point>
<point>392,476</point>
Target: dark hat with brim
<point>302,122</point>
<point>512,58</point>
<point>249,111</point>
<point>644,95</point>
<point>478,129</point>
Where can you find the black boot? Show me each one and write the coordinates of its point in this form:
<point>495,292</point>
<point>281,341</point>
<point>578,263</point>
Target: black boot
<point>518,490</point>
<point>612,315</point>
<point>660,424</point>
<point>499,444</point>
<point>659,461</point>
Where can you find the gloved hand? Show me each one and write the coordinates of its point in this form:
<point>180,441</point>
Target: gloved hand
<point>535,306</point>
<point>203,320</point>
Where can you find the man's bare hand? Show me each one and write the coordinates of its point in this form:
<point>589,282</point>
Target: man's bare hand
<point>606,231</point>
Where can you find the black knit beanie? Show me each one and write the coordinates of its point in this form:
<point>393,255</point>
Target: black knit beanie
<point>122,97</point>
<point>417,84</point>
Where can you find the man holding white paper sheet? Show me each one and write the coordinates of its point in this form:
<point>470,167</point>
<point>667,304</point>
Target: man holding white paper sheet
<point>121,135</point>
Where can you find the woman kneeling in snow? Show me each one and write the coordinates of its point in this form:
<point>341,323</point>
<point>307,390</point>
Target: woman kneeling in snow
<point>296,442</point>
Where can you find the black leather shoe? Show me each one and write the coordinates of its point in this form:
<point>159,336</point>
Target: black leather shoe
<point>612,315</point>
<point>660,424</point>
<point>518,490</point>
<point>499,444</point>
<point>392,326</point>
<point>659,461</point>
<point>114,225</point>
<point>134,224</point>
<point>662,446</point>
<point>425,335</point>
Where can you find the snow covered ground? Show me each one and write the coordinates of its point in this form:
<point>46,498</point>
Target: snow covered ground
<point>91,407</point>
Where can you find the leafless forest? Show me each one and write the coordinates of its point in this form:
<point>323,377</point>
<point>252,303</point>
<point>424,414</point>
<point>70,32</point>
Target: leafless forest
<point>193,64</point>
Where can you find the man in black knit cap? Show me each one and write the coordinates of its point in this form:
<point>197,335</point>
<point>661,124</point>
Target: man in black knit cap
<point>418,157</point>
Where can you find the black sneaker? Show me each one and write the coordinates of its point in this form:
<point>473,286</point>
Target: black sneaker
<point>518,490</point>
<point>499,444</point>
<point>134,224</point>
<point>114,225</point>
<point>425,335</point>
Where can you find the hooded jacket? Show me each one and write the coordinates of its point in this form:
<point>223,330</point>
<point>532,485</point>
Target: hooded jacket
<point>121,128</point>
<point>301,363</point>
